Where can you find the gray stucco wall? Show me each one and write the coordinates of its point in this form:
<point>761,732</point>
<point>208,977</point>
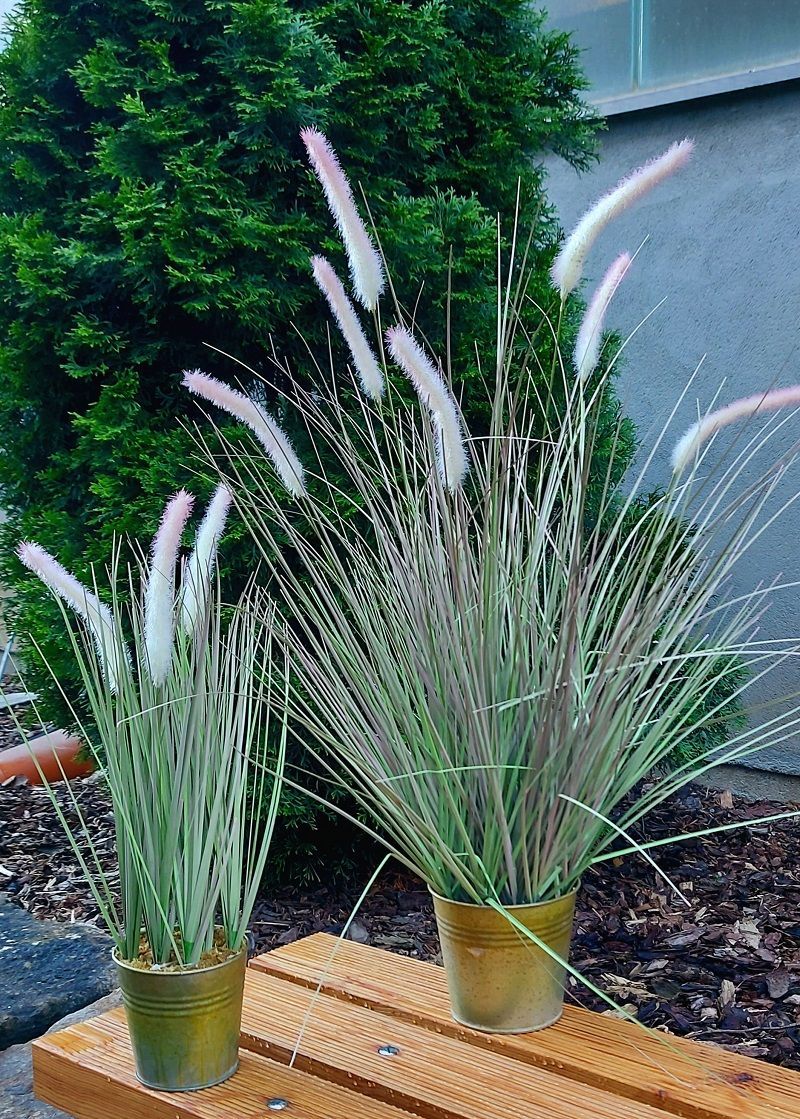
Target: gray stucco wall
<point>724,248</point>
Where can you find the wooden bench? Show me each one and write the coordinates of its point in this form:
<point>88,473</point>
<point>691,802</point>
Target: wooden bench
<point>379,1043</point>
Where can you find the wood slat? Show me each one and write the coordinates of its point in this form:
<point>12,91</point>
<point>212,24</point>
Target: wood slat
<point>679,1077</point>
<point>87,1071</point>
<point>587,1067</point>
<point>434,1075</point>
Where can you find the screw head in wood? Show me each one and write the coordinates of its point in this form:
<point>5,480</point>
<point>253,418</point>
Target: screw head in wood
<point>388,1050</point>
<point>277,1104</point>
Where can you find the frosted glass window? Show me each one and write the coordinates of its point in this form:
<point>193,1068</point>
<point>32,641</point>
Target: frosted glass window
<point>632,47</point>
<point>683,40</point>
<point>604,32</point>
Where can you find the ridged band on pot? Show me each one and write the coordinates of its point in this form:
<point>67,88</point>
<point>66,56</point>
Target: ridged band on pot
<point>499,980</point>
<point>184,1025</point>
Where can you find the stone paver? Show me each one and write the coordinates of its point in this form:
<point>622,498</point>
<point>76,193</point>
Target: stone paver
<point>47,970</point>
<point>17,1100</point>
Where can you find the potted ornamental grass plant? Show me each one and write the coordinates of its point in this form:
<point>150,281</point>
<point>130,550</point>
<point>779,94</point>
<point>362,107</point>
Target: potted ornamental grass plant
<point>178,692</point>
<point>490,666</point>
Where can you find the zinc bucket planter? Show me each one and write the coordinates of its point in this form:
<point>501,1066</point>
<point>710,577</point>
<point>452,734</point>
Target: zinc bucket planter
<point>499,980</point>
<point>184,1025</point>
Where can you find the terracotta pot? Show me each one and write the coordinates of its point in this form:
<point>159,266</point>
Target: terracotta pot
<point>184,1025</point>
<point>57,755</point>
<point>499,980</point>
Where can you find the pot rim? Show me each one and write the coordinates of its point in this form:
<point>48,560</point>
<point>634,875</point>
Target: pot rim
<point>179,971</point>
<point>511,908</point>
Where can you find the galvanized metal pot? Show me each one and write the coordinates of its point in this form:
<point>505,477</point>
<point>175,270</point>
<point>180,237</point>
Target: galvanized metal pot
<point>184,1025</point>
<point>499,980</point>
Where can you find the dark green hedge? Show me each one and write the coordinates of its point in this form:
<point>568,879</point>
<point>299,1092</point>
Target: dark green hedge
<point>154,196</point>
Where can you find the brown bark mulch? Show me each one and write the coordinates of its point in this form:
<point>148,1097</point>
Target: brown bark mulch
<point>9,735</point>
<point>724,968</point>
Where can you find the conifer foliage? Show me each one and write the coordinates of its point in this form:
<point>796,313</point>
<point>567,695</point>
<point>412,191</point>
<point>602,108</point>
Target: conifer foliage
<point>149,201</point>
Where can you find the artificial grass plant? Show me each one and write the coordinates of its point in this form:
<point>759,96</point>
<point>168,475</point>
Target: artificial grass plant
<point>490,670</point>
<point>179,691</point>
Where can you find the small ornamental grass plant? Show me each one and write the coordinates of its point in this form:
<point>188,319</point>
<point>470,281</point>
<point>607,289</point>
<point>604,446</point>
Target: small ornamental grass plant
<point>178,691</point>
<point>490,670</point>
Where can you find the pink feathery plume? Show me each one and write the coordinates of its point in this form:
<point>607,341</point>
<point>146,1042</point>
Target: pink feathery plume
<point>366,365</point>
<point>272,438</point>
<point>567,267</point>
<point>366,268</point>
<point>590,335</point>
<point>200,567</point>
<point>87,605</point>
<point>690,443</point>
<point>452,455</point>
<point>159,599</point>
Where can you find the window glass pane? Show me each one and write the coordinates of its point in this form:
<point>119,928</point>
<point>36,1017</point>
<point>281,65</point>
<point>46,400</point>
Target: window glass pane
<point>683,40</point>
<point>603,29</point>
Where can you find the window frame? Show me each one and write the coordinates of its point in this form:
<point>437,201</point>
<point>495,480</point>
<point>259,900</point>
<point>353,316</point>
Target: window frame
<point>703,87</point>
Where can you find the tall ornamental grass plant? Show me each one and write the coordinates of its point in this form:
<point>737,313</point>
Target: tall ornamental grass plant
<point>488,669</point>
<point>179,691</point>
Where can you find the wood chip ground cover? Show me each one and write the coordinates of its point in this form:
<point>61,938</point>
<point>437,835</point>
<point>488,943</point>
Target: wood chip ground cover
<point>724,968</point>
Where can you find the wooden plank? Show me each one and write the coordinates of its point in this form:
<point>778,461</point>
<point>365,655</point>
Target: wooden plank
<point>431,1074</point>
<point>682,1078</point>
<point>87,1071</point>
